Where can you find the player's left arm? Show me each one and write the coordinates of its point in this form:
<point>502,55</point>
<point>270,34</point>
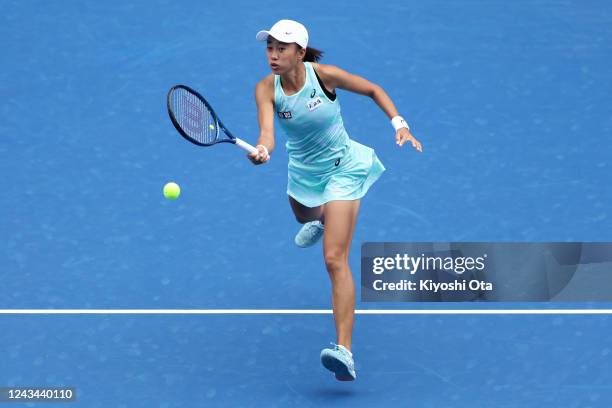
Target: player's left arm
<point>335,77</point>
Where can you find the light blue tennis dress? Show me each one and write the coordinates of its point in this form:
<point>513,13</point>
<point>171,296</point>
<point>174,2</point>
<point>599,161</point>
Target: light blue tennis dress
<point>324,164</point>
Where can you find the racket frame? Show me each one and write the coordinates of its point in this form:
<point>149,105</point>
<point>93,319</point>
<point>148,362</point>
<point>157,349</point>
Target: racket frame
<point>218,124</point>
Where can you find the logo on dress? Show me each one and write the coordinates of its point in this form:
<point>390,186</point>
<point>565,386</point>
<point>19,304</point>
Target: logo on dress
<point>313,93</point>
<point>314,104</point>
<point>284,115</point>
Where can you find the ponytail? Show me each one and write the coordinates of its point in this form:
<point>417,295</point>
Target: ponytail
<point>313,55</point>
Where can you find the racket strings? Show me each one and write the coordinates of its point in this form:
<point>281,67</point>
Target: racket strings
<point>194,117</point>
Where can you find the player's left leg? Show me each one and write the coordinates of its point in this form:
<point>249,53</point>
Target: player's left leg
<point>340,219</point>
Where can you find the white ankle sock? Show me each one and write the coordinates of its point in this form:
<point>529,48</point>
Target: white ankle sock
<point>345,349</point>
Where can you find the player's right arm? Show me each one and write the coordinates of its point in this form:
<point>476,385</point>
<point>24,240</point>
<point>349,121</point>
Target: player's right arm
<point>264,97</point>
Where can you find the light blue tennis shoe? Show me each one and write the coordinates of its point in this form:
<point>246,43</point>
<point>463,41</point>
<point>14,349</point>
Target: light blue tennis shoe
<point>310,233</point>
<point>339,360</point>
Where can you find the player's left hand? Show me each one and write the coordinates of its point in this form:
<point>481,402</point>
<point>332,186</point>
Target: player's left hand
<point>403,134</point>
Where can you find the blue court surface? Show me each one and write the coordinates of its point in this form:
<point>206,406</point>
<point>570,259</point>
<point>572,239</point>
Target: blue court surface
<point>511,101</point>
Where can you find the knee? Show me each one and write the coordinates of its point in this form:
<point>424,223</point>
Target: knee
<point>335,260</point>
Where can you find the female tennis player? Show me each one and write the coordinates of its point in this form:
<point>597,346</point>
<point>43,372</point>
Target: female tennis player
<point>328,173</point>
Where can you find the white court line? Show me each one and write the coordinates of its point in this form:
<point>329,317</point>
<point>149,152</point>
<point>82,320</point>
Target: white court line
<point>313,311</point>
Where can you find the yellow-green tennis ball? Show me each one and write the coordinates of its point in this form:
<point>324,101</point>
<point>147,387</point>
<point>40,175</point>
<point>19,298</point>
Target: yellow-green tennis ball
<point>211,127</point>
<point>172,191</point>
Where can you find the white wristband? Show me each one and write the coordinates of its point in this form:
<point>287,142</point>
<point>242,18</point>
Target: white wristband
<point>398,122</point>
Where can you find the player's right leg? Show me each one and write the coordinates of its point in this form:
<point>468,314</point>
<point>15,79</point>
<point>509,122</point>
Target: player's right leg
<point>312,218</point>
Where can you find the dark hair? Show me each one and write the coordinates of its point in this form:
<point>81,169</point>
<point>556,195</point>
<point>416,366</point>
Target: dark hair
<point>312,54</point>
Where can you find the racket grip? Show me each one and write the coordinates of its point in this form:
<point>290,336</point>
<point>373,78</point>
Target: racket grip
<point>246,146</point>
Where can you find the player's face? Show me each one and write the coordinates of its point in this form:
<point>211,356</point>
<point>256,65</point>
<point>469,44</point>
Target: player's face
<point>283,57</point>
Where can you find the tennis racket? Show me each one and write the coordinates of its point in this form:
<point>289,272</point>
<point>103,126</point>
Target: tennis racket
<point>196,120</point>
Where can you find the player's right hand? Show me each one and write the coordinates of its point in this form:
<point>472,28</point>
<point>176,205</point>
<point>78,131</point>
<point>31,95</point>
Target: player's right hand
<point>260,157</point>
